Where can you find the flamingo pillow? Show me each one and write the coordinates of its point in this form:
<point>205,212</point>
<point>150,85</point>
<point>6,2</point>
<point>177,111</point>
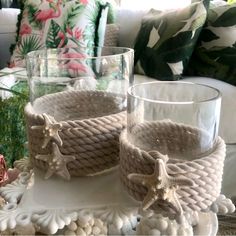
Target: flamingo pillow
<point>56,24</point>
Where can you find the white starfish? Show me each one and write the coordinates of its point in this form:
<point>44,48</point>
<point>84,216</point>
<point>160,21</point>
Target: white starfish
<point>50,130</point>
<point>57,163</point>
<point>161,187</point>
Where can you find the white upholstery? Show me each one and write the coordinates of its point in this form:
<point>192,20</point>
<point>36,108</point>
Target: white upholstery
<point>8,19</point>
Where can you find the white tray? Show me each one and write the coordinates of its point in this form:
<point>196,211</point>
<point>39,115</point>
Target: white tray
<point>52,204</point>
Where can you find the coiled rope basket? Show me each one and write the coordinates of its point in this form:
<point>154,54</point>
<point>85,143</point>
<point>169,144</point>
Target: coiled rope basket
<point>90,124</point>
<point>154,140</point>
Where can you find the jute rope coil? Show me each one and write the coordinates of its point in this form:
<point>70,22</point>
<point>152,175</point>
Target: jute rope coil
<point>181,144</point>
<point>91,122</point>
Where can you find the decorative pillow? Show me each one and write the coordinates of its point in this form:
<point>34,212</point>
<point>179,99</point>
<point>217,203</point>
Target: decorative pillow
<point>215,54</point>
<point>166,40</point>
<point>57,23</point>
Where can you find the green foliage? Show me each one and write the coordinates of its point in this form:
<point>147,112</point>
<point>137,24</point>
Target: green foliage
<point>53,40</point>
<point>226,19</point>
<point>211,58</point>
<point>72,15</point>
<point>27,45</point>
<point>175,49</point>
<point>32,10</point>
<point>218,63</point>
<point>12,126</point>
<point>231,1</point>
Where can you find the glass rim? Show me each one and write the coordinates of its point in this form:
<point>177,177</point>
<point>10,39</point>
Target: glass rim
<point>126,50</point>
<point>214,98</point>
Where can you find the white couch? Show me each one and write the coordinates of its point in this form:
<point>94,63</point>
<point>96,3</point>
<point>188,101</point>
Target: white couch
<point>129,23</point>
<point>8,19</point>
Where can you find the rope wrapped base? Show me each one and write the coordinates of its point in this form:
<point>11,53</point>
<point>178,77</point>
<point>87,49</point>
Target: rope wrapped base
<point>152,170</point>
<point>75,133</point>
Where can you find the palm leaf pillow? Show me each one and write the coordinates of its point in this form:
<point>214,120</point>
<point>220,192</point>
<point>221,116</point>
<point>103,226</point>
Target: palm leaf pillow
<point>166,40</point>
<point>57,23</point>
<point>215,55</point>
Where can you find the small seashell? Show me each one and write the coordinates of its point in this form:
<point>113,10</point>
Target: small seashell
<point>96,230</point>
<point>88,229</point>
<point>69,232</point>
<point>72,226</point>
<point>98,223</point>
<point>80,232</point>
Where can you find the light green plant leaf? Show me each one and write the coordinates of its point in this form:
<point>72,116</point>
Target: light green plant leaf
<point>72,15</point>
<point>28,44</point>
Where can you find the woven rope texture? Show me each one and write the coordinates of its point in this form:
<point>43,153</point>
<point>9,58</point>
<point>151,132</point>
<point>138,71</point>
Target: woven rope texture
<point>181,144</point>
<point>91,123</point>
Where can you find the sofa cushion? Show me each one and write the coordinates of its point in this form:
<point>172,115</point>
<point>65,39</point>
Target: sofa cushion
<point>166,40</point>
<point>215,54</point>
<point>130,22</point>
<point>58,23</point>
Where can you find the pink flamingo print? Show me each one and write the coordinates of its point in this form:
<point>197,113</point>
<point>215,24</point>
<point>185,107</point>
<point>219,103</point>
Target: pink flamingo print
<point>44,15</point>
<point>85,2</point>
<point>76,67</point>
<point>78,33</point>
<point>61,35</point>
<point>25,29</point>
<point>75,55</point>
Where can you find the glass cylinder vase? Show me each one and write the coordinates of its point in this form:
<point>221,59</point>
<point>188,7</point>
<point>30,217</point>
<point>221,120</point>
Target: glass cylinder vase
<point>97,68</point>
<point>176,106</point>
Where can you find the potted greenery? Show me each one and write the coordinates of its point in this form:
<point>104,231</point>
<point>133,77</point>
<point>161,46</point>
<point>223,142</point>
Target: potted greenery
<point>12,123</point>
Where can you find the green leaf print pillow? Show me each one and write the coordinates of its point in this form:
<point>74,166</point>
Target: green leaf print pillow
<point>57,23</point>
<point>166,40</point>
<point>215,54</point>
